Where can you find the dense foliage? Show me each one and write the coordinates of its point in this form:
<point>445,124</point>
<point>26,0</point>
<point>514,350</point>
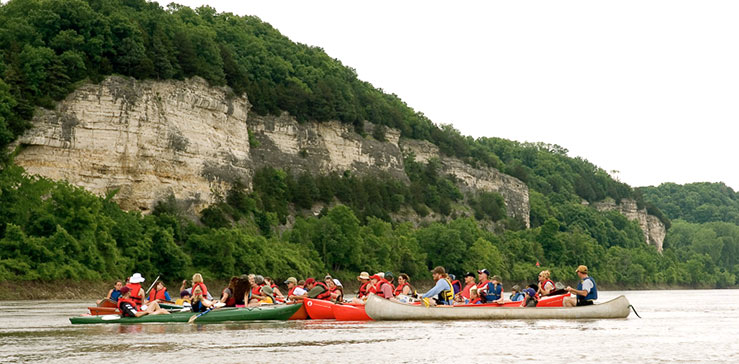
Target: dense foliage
<point>695,202</point>
<point>51,231</point>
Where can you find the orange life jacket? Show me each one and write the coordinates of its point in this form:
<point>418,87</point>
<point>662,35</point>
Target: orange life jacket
<point>544,284</point>
<point>363,290</point>
<point>399,288</point>
<point>378,288</point>
<point>129,300</point>
<point>135,292</point>
<point>157,295</point>
<point>326,294</point>
<point>202,286</point>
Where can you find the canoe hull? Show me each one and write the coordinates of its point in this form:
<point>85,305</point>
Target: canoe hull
<point>319,309</point>
<point>382,309</point>
<point>350,313</point>
<point>278,312</point>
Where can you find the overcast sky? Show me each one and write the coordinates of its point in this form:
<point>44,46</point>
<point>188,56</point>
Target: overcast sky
<point>646,88</point>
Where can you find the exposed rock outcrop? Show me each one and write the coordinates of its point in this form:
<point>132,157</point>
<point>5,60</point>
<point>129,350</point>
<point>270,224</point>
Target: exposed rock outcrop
<point>654,230</point>
<point>150,139</point>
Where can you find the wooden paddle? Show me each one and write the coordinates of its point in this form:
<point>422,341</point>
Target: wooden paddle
<point>194,317</point>
<point>152,285</point>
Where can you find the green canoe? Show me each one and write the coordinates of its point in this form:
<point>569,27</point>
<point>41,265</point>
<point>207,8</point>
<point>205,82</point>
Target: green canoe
<point>276,312</point>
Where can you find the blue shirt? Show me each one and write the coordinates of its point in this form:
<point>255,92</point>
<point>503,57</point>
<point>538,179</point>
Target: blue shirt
<point>441,285</point>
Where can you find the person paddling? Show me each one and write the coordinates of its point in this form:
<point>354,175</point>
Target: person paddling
<point>586,291</point>
<point>442,291</point>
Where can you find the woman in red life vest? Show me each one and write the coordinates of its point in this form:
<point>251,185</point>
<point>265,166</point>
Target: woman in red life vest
<point>159,293</point>
<point>227,296</point>
<point>404,286</point>
<point>138,295</point>
<point>546,286</point>
<point>199,299</point>
<point>256,290</point>
<point>337,291</point>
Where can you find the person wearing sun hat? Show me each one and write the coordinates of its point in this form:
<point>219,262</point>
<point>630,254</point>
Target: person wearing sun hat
<point>364,287</point>
<point>138,294</point>
<point>586,291</point>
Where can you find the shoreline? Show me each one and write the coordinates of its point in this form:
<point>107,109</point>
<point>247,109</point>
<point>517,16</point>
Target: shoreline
<point>36,291</point>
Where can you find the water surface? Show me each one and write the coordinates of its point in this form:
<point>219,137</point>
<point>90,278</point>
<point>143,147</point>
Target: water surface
<point>676,326</point>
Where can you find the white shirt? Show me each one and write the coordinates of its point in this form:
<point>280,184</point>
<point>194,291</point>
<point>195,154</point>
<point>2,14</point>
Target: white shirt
<point>587,285</point>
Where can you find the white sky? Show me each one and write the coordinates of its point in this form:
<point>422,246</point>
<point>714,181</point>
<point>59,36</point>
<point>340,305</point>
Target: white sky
<point>647,88</point>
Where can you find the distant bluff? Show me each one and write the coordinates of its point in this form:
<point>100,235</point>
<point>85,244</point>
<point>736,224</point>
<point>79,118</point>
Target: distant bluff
<point>153,139</point>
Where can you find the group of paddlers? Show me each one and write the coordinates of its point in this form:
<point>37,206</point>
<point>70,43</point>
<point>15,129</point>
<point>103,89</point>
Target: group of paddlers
<point>255,290</point>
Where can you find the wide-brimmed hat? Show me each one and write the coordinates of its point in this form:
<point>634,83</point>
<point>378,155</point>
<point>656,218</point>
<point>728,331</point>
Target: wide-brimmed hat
<point>381,274</point>
<point>582,269</point>
<point>137,278</point>
<point>292,280</point>
<point>363,275</point>
<point>337,282</point>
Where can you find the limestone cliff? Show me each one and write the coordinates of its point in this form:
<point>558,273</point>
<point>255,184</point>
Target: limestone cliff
<point>654,230</point>
<point>151,139</point>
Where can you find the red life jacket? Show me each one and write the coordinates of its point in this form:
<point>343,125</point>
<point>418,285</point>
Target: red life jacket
<point>378,288</point>
<point>545,284</point>
<point>399,289</point>
<point>466,290</point>
<point>364,290</point>
<point>291,290</point>
<point>202,286</point>
<point>157,295</point>
<point>135,292</point>
<point>129,300</point>
<point>482,284</point>
<point>256,290</point>
<point>326,294</point>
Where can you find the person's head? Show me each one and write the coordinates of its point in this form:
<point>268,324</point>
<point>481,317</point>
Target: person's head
<point>516,288</point>
<point>438,273</point>
<point>268,281</point>
<point>496,279</point>
<point>483,274</point>
<point>582,271</point>
<point>403,278</point>
<point>529,292</point>
<point>185,295</point>
<point>389,276</point>
<point>259,280</point>
<point>125,292</point>
<point>469,277</point>
<point>330,283</point>
<point>118,285</point>
<point>232,283</point>
<point>301,283</point>
<point>197,278</point>
<point>251,279</point>
<point>328,279</point>
<point>160,286</point>
<point>309,283</point>
<point>374,279</point>
<point>473,293</point>
<point>363,277</point>
<point>544,275</point>
<point>291,282</point>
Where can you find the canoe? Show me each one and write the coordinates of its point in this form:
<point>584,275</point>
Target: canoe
<point>350,312</point>
<point>319,309</point>
<point>381,309</point>
<point>300,314</point>
<point>275,312</point>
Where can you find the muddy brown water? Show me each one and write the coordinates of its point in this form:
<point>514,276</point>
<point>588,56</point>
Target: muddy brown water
<point>676,326</point>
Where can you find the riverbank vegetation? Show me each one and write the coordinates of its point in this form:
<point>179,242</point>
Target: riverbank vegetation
<point>52,231</point>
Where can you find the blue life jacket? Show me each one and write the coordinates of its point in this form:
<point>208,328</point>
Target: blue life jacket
<point>592,295</point>
<point>494,292</point>
<point>115,295</point>
<point>516,297</point>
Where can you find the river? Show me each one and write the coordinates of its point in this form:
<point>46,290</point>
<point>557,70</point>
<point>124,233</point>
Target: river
<point>676,326</point>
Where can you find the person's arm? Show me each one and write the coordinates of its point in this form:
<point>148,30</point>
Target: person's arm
<point>586,287</point>
<point>224,296</point>
<point>142,294</point>
<point>184,283</point>
<point>167,296</point>
<point>406,290</point>
<point>440,286</point>
<point>110,293</point>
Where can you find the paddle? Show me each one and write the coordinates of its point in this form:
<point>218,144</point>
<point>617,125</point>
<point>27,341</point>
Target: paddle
<point>152,285</point>
<point>194,317</point>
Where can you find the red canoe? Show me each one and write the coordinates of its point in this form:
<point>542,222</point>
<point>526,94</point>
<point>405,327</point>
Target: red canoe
<point>350,312</point>
<point>318,309</point>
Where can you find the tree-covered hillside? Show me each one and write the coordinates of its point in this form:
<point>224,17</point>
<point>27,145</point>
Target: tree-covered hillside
<point>51,230</point>
<point>695,202</point>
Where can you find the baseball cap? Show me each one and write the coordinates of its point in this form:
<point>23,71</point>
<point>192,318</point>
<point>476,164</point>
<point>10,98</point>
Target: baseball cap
<point>125,290</point>
<point>469,274</point>
<point>292,280</point>
<point>481,271</point>
<point>310,281</point>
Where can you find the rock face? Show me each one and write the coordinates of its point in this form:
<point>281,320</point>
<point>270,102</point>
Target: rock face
<point>151,139</point>
<point>654,230</point>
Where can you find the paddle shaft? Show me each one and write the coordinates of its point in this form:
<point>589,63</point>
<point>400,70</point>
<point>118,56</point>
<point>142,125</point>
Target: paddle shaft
<point>152,285</point>
<point>198,315</point>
